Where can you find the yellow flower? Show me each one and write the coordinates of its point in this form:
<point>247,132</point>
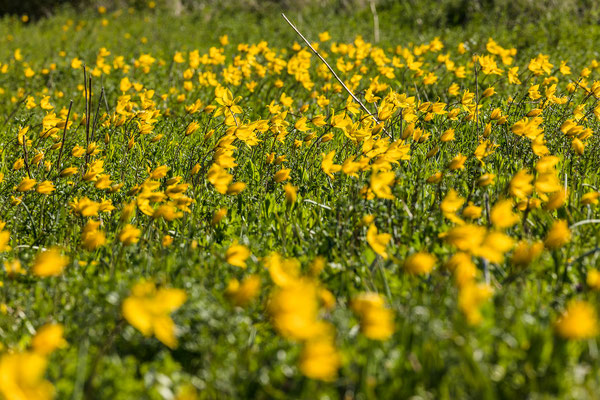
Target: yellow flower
<point>556,200</point>
<point>466,238</point>
<point>159,172</point>
<point>463,268</point>
<point>168,212</point>
<point>187,392</point>
<point>520,184</point>
<point>435,178</point>
<point>282,175</point>
<point>317,265</point>
<point>472,211</point>
<point>579,321</point>
<point>26,185</point>
<point>547,183</point>
<point>148,309</point>
<point>68,171</point>
<point>328,166</point>
<point>192,127</point>
<point>129,235</point>
<point>378,242</point>
<point>366,220</point>
<point>419,263</point>
<point>45,187</point>
<point>376,321</point>
<point>502,215</point>
<point>290,193</point>
<point>451,203</point>
<point>13,268</point>
<point>558,235</point>
<point>486,179</point>
<point>294,309</point>
<point>236,188</point>
<point>167,240</point>
<point>237,254</point>
<point>85,207</point>
<point>48,338</point>
<point>49,263</point>
<point>240,294</point>
<point>127,212</point>
<point>470,298</point>
<point>22,377</point>
<point>125,85</point>
<point>547,164</point>
<point>4,239</point>
<point>457,162</point>
<point>218,216</point>
<point>324,36</point>
<point>76,63</point>
<point>593,279</point>
<point>590,198</point>
<point>381,184</point>
<point>447,136</point>
<point>219,178</point>
<point>494,246</point>
<point>525,253</point>
<point>91,236</point>
<point>284,272</point>
<point>320,359</point>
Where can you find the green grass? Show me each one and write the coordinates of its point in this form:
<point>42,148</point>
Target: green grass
<point>232,352</point>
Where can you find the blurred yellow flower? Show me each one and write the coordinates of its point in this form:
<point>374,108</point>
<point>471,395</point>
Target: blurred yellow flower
<point>579,321</point>
<point>218,216</point>
<point>282,175</point>
<point>48,338</point>
<point>320,359</point>
<point>593,279</point>
<point>376,321</point>
<point>129,235</point>
<point>22,377</point>
<point>290,193</point>
<point>470,299</point>
<point>148,309</point>
<point>237,254</point>
<point>240,294</point>
<point>378,241</point>
<point>26,185</point>
<point>49,263</point>
<point>419,263</point>
<point>558,235</point>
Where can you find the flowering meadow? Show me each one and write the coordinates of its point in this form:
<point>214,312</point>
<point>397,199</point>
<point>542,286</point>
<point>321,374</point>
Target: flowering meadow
<point>199,209</point>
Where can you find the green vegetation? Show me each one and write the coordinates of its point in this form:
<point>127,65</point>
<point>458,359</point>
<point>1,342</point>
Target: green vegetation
<point>219,219</point>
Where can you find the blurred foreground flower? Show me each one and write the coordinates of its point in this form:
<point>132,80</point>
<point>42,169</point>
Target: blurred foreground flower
<point>579,321</point>
<point>320,359</point>
<point>48,338</point>
<point>376,321</point>
<point>50,263</point>
<point>240,294</point>
<point>378,241</point>
<point>237,254</point>
<point>470,299</point>
<point>148,309</point>
<point>22,377</point>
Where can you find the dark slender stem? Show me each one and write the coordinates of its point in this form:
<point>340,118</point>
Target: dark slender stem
<point>356,99</point>
<point>25,156</point>
<point>96,115</point>
<point>62,144</point>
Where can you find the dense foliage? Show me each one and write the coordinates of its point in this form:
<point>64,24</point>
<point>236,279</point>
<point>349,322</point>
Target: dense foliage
<point>194,207</point>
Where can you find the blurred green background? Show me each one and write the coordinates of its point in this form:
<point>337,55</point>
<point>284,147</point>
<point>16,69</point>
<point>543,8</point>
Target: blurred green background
<point>440,13</point>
